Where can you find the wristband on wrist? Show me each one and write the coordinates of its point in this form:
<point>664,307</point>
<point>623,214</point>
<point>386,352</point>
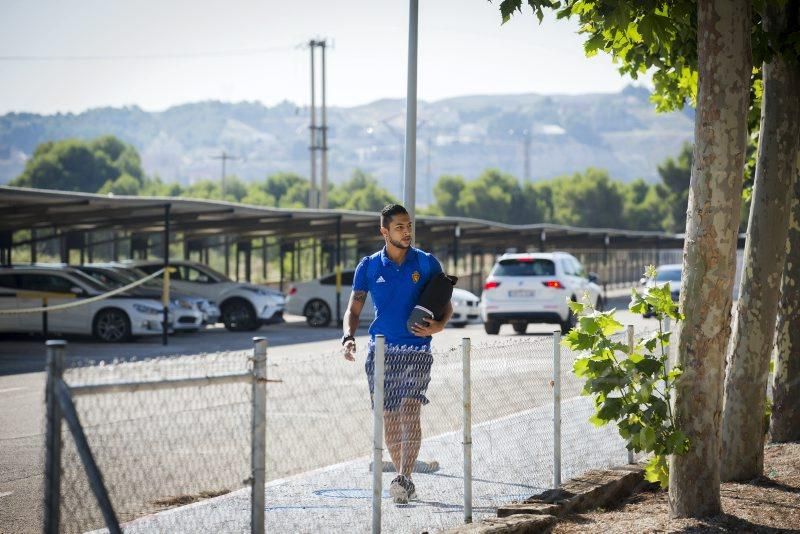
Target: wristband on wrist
<point>345,339</point>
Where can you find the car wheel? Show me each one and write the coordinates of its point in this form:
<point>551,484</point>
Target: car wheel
<point>112,326</point>
<point>457,325</point>
<point>520,328</point>
<point>239,316</point>
<point>569,324</point>
<point>491,327</point>
<point>317,313</point>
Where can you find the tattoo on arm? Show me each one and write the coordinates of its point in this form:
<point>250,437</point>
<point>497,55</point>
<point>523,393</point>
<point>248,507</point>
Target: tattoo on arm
<point>359,296</point>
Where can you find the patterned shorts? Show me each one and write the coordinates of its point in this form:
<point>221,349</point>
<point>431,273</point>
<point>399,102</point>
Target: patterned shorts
<point>408,373</point>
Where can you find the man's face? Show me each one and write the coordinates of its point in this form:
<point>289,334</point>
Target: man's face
<point>399,231</point>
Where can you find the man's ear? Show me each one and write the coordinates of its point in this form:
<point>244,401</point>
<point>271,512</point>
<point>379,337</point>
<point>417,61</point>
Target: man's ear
<point>384,232</point>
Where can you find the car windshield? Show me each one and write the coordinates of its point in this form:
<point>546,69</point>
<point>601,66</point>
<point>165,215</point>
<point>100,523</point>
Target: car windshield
<point>668,275</point>
<point>525,267</point>
<point>107,277</point>
<point>89,281</point>
<point>217,276</point>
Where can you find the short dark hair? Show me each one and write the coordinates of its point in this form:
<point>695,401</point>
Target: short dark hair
<point>389,211</point>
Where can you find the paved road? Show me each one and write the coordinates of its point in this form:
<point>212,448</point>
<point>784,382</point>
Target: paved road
<point>312,374</point>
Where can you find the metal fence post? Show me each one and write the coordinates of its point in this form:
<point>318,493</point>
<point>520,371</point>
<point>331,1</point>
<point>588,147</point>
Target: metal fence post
<point>556,408</point>
<point>258,440</point>
<point>631,344</point>
<point>52,466</point>
<point>377,436</point>
<point>466,349</point>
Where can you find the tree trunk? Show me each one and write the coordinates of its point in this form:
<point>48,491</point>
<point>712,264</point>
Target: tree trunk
<point>786,387</point>
<point>709,257</point>
<point>743,429</point>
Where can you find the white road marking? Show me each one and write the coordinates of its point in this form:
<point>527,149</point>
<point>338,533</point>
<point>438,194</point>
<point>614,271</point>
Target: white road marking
<point>6,494</point>
<point>9,390</point>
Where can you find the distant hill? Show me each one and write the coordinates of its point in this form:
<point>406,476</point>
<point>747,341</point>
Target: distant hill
<point>620,132</point>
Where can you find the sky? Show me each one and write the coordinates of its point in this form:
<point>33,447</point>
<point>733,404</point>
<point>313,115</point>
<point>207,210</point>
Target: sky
<point>73,55</point>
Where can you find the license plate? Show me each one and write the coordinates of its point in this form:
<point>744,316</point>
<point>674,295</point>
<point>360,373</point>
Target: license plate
<point>517,293</point>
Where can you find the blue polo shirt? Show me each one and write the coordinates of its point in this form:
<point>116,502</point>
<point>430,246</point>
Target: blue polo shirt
<point>395,292</point>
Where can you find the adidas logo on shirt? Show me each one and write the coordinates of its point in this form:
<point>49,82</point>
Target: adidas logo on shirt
<point>380,280</point>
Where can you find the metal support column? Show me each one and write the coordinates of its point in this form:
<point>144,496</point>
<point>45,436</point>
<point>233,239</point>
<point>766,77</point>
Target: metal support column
<point>34,243</point>
<point>281,257</point>
<point>165,293</point>
<point>264,259</point>
<point>226,247</point>
<point>338,269</point>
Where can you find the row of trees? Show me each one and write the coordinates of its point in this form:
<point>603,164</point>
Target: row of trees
<point>588,199</point>
<point>736,61</point>
<point>108,165</point>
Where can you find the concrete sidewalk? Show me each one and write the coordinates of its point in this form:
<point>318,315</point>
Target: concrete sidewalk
<point>512,459</point>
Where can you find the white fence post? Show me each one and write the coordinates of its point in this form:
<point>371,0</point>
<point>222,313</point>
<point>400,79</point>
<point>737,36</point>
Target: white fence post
<point>466,348</point>
<point>631,344</point>
<point>259,428</point>
<point>556,408</point>
<point>377,436</point>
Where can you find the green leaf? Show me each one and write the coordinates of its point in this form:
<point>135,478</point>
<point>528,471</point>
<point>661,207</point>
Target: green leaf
<point>589,324</point>
<point>597,421</point>
<point>649,366</point>
<point>657,470</point>
<point>508,7</point>
<point>580,367</point>
<point>611,409</point>
<point>647,437</point>
<point>576,307</point>
<point>577,340</point>
<point>608,324</point>
<point>677,442</point>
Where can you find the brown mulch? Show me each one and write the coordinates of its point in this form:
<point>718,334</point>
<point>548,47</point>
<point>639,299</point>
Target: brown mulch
<point>766,505</point>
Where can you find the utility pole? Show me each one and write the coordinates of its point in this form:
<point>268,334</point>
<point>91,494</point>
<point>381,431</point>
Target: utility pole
<point>410,175</point>
<point>224,157</point>
<point>318,197</point>
<point>312,193</point>
<point>323,202</point>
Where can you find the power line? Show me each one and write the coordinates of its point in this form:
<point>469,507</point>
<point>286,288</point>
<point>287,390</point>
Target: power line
<point>188,55</point>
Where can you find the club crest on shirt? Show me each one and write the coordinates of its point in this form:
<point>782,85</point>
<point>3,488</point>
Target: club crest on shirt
<point>415,276</point>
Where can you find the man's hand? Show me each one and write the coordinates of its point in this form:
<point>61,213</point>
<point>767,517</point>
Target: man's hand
<point>349,350</point>
<point>428,328</point>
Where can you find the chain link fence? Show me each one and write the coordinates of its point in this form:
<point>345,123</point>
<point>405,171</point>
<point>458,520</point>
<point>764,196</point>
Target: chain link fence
<point>497,425</point>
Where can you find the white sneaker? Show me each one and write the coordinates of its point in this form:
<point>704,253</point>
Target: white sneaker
<point>399,489</point>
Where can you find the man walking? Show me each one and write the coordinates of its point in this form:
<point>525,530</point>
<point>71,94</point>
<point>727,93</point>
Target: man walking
<point>395,277</point>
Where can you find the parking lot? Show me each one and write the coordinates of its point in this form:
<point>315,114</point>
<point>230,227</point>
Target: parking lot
<point>22,385</point>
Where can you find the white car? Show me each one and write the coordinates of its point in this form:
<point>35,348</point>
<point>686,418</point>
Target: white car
<point>244,306</point>
<point>534,288</point>
<point>114,319</point>
<point>190,313</point>
<point>316,301</point>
